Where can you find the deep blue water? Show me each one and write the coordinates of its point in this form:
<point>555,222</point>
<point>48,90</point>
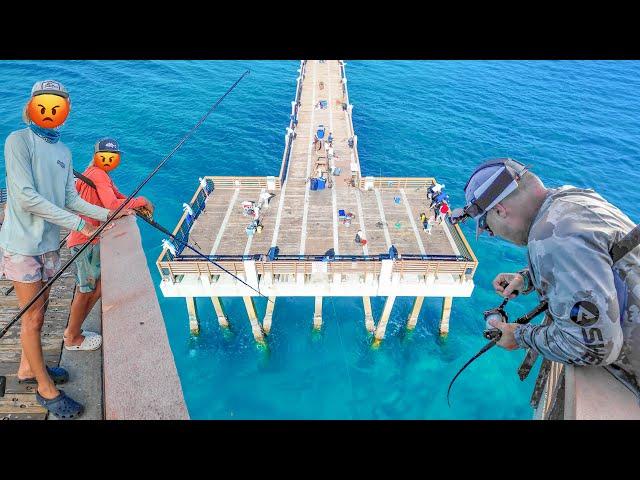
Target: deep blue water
<point>574,122</point>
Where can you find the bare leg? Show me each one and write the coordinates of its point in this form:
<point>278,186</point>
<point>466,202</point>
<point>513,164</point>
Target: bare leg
<point>24,369</point>
<point>30,331</point>
<point>81,306</point>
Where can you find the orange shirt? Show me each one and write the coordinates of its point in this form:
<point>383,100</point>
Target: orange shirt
<point>104,195</point>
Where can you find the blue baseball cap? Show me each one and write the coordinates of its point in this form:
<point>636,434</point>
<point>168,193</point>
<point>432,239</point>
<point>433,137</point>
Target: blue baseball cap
<point>107,145</point>
<point>49,86</point>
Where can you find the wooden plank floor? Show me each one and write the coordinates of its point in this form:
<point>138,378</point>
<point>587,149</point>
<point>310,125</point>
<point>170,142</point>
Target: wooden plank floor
<point>19,402</point>
<point>308,221</point>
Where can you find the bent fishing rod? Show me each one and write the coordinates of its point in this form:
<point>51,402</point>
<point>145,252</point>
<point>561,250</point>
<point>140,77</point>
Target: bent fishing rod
<point>619,249</point>
<point>118,210</point>
<point>494,334</point>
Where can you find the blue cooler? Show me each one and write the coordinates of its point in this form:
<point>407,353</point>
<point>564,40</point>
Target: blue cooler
<point>321,183</point>
<point>313,184</point>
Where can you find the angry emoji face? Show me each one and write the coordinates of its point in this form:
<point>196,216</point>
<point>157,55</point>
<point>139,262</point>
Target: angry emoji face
<point>106,161</point>
<point>48,110</point>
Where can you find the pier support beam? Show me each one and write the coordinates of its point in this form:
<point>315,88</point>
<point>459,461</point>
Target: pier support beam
<point>256,329</point>
<point>194,321</point>
<point>446,311</point>
<point>317,314</point>
<point>382,323</point>
<point>415,311</point>
<point>266,321</point>
<point>222,318</point>
<point>368,315</point>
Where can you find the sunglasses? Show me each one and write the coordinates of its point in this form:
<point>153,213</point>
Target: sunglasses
<point>482,223</point>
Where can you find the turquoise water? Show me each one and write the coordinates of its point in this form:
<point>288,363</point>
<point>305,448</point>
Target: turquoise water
<point>574,122</point>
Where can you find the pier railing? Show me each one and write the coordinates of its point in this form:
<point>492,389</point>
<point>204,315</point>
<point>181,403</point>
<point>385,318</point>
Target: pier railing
<point>198,203</point>
<point>349,113</point>
<point>288,140</point>
<point>173,269</point>
<point>244,182</point>
<point>396,182</point>
<point>3,195</point>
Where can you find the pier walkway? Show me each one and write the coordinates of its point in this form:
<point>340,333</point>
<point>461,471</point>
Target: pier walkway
<point>304,241</point>
<point>301,221</point>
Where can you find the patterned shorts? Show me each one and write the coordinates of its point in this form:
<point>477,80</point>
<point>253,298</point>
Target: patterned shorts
<point>87,267</point>
<point>29,269</point>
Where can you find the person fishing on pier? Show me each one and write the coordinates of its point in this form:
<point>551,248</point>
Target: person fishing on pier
<point>583,260</point>
<point>40,198</point>
<point>95,186</point>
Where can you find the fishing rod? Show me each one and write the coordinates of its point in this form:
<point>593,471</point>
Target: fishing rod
<point>619,249</point>
<point>156,225</point>
<point>494,334</point>
<point>119,209</point>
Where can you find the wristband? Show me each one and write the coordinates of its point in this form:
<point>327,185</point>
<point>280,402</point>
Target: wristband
<point>527,284</point>
<point>80,225</point>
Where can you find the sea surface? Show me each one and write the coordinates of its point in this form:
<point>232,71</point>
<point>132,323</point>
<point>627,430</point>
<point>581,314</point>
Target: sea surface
<point>574,122</point>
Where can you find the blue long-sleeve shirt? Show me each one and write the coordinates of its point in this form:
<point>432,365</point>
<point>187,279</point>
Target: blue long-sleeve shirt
<point>40,186</point>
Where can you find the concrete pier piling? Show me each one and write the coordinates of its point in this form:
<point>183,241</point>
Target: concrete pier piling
<point>446,312</point>
<point>384,318</point>
<point>415,312</point>
<point>317,314</point>
<point>266,321</point>
<point>194,321</point>
<point>223,321</point>
<point>368,315</point>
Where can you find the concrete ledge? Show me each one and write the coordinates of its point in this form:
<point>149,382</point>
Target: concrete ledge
<point>594,394</point>
<point>85,372</point>
<point>140,376</point>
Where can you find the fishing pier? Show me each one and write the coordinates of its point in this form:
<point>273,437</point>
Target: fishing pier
<point>304,240</point>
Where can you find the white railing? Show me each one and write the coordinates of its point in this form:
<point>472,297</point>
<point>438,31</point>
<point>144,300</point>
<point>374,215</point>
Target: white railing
<point>288,139</point>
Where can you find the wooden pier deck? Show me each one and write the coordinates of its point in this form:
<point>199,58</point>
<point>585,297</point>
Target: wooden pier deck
<point>304,222</point>
<point>19,400</point>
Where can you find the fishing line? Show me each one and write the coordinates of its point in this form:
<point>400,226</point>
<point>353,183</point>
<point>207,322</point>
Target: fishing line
<point>159,227</point>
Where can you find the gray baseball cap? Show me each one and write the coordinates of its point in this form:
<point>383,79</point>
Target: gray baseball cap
<point>49,86</point>
<point>489,184</point>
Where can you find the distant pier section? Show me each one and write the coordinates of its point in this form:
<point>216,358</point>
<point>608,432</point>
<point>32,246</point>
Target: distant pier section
<point>320,228</point>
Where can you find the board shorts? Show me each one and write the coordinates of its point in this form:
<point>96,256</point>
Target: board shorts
<point>87,267</point>
<point>29,268</point>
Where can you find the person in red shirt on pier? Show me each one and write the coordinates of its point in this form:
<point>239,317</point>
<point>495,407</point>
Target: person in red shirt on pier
<point>96,187</point>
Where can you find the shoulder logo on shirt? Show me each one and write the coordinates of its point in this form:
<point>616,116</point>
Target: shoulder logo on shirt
<point>61,163</point>
<point>584,314</point>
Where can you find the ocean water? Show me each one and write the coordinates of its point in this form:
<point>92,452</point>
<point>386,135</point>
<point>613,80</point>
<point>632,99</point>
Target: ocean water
<point>574,122</point>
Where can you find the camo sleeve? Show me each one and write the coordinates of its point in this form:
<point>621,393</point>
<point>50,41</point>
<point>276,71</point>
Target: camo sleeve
<point>569,255</point>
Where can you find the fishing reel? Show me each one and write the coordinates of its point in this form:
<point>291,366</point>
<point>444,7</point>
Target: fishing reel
<point>145,212</point>
<point>498,313</point>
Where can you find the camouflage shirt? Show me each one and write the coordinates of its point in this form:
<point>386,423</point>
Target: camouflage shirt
<point>593,322</point>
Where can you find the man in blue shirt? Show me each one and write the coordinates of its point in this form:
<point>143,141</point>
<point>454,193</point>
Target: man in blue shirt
<point>40,195</point>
